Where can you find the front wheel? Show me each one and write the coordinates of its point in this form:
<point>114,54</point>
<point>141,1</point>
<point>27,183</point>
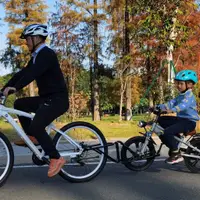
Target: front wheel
<point>131,154</point>
<point>6,158</point>
<point>91,161</point>
<point>193,164</point>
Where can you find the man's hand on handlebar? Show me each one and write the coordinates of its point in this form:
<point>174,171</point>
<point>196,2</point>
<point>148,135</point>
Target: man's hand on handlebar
<point>9,90</point>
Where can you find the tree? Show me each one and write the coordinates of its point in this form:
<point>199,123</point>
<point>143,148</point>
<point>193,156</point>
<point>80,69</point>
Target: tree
<point>157,26</point>
<point>120,47</point>
<point>187,55</point>
<point>79,21</point>
<point>69,43</point>
<point>19,14</point>
<point>109,89</point>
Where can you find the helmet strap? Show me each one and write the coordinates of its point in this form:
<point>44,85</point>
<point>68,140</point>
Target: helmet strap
<point>187,88</point>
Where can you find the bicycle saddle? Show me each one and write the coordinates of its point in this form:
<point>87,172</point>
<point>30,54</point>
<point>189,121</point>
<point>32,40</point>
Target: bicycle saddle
<point>191,133</point>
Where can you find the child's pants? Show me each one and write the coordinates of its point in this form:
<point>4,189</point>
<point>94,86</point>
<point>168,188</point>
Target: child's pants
<point>173,127</point>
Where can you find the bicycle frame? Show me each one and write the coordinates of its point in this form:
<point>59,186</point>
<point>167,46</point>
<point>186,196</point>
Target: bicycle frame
<point>148,137</point>
<point>4,112</point>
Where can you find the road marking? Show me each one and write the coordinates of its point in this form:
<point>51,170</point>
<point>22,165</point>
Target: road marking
<point>36,166</point>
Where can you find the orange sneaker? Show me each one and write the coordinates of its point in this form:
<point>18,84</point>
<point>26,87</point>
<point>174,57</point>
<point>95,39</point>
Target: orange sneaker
<point>22,143</point>
<point>55,166</point>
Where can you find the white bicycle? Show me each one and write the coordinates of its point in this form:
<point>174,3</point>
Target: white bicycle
<point>82,144</point>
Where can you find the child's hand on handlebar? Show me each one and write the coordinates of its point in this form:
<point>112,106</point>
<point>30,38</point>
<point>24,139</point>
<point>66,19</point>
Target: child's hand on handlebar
<point>151,109</point>
<point>9,90</point>
<point>155,109</point>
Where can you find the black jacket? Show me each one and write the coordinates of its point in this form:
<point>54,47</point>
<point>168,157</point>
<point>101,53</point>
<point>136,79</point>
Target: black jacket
<point>46,71</point>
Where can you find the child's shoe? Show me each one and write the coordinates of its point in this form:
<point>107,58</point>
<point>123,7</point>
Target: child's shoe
<point>174,158</point>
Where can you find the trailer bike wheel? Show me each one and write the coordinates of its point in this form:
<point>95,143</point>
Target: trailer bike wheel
<point>193,164</point>
<point>91,161</point>
<point>6,159</point>
<point>132,158</point>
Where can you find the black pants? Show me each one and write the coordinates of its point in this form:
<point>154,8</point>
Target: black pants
<point>173,127</point>
<point>46,110</point>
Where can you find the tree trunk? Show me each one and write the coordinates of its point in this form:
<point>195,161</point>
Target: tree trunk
<point>126,52</point>
<point>91,89</point>
<point>150,100</point>
<point>161,95</point>
<point>170,49</point>
<point>149,79</point>
<point>96,74</point>
<point>73,75</point>
<point>122,90</point>
<point>121,103</point>
<point>171,73</point>
<point>128,100</point>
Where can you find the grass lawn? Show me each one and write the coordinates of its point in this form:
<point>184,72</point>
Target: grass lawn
<point>110,127</point>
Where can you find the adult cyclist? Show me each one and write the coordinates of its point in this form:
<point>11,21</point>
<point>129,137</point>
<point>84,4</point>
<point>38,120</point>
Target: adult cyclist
<point>52,100</point>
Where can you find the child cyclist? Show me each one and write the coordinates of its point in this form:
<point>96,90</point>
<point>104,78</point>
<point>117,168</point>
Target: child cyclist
<point>185,107</point>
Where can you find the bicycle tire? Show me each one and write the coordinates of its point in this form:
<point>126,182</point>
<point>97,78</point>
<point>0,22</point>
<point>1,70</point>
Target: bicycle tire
<point>65,175</point>
<point>9,166</point>
<point>189,162</point>
<point>128,161</point>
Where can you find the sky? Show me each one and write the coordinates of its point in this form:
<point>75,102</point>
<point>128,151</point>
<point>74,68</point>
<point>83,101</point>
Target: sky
<point>4,31</point>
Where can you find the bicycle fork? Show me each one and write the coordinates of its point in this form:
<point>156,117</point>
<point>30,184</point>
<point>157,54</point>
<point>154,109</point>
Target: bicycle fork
<point>144,146</point>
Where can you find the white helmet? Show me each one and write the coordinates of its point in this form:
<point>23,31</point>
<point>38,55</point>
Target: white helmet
<point>34,29</point>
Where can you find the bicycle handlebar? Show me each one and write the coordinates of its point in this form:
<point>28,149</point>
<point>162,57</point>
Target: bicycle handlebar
<point>157,111</point>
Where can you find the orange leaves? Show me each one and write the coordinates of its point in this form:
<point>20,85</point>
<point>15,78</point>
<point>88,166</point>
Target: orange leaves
<point>78,104</point>
<point>20,13</point>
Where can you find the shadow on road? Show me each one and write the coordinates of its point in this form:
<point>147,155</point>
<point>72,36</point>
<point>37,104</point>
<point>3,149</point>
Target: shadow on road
<point>159,182</point>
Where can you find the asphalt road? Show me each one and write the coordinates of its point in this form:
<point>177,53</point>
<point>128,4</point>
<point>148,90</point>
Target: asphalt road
<point>159,182</point>
<point>115,182</point>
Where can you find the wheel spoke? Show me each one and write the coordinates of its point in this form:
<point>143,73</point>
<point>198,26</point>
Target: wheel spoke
<point>91,160</point>
<point>193,163</point>
<point>6,159</point>
<point>131,154</point>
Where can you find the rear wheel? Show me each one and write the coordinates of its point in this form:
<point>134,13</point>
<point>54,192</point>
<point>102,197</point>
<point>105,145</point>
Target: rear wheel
<point>91,161</point>
<point>193,164</point>
<point>134,160</point>
<point>6,158</point>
